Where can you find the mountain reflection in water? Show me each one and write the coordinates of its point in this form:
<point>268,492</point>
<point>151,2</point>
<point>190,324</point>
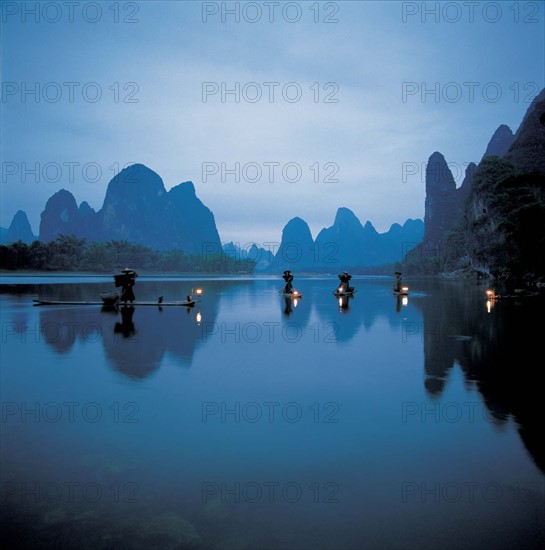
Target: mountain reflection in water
<point>364,357</point>
<point>496,352</point>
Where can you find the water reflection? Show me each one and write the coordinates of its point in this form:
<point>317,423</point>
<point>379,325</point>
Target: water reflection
<point>344,302</point>
<point>298,309</point>
<point>136,342</point>
<point>135,339</point>
<point>367,453</point>
<point>126,327</point>
<point>495,347</point>
<point>350,314</point>
<point>401,300</point>
<point>487,341</point>
<point>288,306</point>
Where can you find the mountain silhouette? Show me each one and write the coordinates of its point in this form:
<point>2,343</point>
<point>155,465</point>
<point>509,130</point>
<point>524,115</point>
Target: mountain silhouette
<point>136,208</point>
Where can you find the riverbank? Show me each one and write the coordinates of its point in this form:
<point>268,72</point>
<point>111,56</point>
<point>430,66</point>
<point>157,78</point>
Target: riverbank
<point>529,280</point>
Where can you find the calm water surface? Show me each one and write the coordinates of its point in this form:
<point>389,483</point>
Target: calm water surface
<point>250,421</point>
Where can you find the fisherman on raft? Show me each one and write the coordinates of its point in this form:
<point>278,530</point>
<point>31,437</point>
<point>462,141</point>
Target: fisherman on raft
<point>345,282</point>
<point>398,281</point>
<point>288,277</point>
<point>126,280</point>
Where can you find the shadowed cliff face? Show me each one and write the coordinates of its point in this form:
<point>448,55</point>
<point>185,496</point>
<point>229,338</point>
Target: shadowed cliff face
<point>444,211</point>
<point>502,227</point>
<point>136,208</point>
<point>60,216</point>
<point>493,222</point>
<point>443,205</point>
<point>190,224</point>
<point>527,153</point>
<point>132,207</point>
<point>500,142</point>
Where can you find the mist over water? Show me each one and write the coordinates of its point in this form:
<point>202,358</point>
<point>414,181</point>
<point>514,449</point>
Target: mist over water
<point>249,421</point>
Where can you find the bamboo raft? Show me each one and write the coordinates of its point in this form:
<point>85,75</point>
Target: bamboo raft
<point>182,303</point>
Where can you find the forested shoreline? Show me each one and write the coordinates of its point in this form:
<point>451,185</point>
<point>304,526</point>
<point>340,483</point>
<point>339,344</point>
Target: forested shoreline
<point>69,253</point>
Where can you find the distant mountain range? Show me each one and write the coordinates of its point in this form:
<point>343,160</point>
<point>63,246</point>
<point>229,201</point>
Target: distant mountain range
<point>138,208</point>
<point>346,245</point>
<point>491,224</point>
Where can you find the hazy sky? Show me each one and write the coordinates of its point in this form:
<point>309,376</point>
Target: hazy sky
<point>363,116</point>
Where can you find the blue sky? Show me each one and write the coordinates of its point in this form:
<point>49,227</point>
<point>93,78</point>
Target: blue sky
<point>372,140</point>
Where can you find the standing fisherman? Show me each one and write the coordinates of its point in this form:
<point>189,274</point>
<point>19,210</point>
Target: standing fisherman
<point>126,280</point>
<point>288,277</point>
<point>399,282</point>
